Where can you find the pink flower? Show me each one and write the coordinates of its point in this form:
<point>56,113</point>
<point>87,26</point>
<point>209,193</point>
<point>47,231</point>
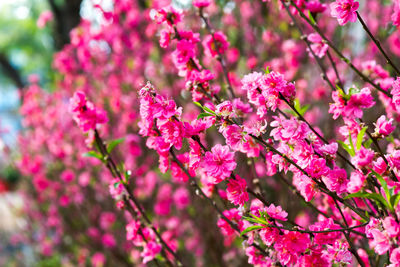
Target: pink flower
<point>215,45</point>
<point>356,182</point>
<point>225,109</point>
<point>391,226</point>
<point>380,242</point>
<point>363,157</point>
<point>98,259</point>
<point>395,258</point>
<point>317,168</point>
<point>325,238</point>
<point>344,11</point>
<point>276,212</point>
<point>85,113</point>
<point>201,3</point>
<point>150,251</point>
<point>384,127</point>
<point>290,246</point>
<point>132,229</point>
<point>169,15</point>
<point>396,93</point>
<point>336,180</point>
<point>352,108</point>
<point>396,14</point>
<point>44,18</point>
<point>219,163</point>
<point>317,45</point>
<point>108,240</point>
<point>181,198</point>
<point>340,253</point>
<point>315,6</point>
<point>236,191</point>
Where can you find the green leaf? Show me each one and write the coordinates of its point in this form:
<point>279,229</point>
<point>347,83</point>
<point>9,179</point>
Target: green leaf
<point>353,91</point>
<point>267,70</point>
<point>311,17</point>
<point>352,145</point>
<point>346,147</point>
<point>93,154</point>
<point>198,104</point>
<point>360,137</point>
<point>209,110</point>
<point>114,143</point>
<point>251,228</point>
<point>304,109</point>
<point>203,115</point>
<point>250,219</point>
<point>374,196</point>
<point>395,200</point>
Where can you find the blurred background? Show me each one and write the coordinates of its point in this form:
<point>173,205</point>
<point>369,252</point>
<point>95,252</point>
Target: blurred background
<point>31,32</point>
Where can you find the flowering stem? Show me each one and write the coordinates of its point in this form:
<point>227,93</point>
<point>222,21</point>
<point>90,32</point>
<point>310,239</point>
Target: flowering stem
<point>336,50</point>
<point>394,177</point>
<point>114,170</point>
<point>377,43</point>
<point>220,56</point>
<point>212,202</point>
<point>304,38</point>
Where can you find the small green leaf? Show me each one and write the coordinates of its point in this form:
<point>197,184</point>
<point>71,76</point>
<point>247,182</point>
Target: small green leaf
<point>114,143</point>
<point>374,196</point>
<point>346,147</point>
<point>311,17</point>
<point>251,228</point>
<point>198,104</point>
<point>93,154</point>
<point>304,109</point>
<point>360,137</point>
<point>250,219</point>
<point>352,145</point>
<point>353,91</point>
<point>203,115</point>
<point>395,200</point>
<point>267,70</point>
<point>209,110</point>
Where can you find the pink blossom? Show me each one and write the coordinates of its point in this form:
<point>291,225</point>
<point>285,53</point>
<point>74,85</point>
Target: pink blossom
<point>181,198</point>
<point>351,108</point>
<point>276,212</point>
<point>396,14</point>
<point>391,226</point>
<point>150,251</point>
<point>201,3</point>
<point>380,242</point>
<point>85,113</point>
<point>132,229</point>
<point>317,168</point>
<point>336,180</point>
<point>384,127</point>
<point>395,258</point>
<point>98,259</point>
<point>219,163</point>
<point>363,157</point>
<point>315,6</point>
<point>216,44</point>
<point>356,182</point>
<point>44,18</point>
<point>344,11</point>
<point>236,191</point>
<point>317,45</point>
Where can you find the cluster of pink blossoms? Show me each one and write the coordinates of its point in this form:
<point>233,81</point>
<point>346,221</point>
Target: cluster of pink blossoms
<point>86,115</point>
<point>265,90</point>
